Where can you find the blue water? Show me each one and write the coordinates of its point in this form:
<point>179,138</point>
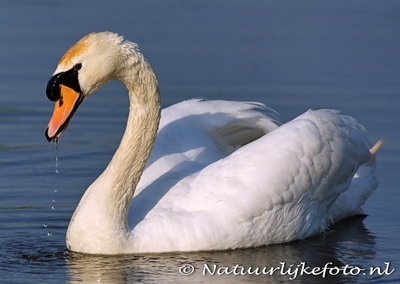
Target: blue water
<point>290,55</point>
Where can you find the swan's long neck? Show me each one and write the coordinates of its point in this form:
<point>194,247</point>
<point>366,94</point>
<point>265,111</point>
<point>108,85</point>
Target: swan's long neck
<point>99,224</point>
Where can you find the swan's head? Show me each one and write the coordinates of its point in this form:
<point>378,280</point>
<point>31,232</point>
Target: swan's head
<point>86,66</point>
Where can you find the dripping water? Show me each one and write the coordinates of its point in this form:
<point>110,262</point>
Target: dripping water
<point>57,170</point>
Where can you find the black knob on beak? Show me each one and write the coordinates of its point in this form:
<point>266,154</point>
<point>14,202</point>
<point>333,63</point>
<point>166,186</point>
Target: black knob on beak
<point>53,87</point>
<point>67,78</point>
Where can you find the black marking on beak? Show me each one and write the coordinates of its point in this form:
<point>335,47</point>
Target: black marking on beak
<point>53,87</point>
<point>68,78</point>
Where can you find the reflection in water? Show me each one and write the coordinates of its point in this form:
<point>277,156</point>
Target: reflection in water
<point>347,243</point>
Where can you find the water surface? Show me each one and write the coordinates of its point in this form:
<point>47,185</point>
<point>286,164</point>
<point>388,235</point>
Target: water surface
<point>290,55</point>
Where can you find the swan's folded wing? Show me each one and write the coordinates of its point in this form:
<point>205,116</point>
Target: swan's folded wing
<point>275,189</point>
<point>196,133</point>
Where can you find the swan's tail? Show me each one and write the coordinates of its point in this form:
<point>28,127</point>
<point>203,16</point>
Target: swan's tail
<point>376,146</point>
<point>375,149</point>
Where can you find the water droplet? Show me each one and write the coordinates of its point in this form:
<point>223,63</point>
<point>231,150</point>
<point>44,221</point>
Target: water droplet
<point>57,170</point>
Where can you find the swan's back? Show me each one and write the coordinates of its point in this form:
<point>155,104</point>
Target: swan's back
<point>276,189</point>
<point>195,133</point>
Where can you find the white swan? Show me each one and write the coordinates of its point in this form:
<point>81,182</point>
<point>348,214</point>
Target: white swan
<point>214,181</point>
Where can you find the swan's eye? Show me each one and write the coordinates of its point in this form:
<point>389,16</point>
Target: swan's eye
<point>77,66</point>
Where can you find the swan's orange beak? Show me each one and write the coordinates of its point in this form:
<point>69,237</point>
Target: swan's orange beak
<point>64,109</point>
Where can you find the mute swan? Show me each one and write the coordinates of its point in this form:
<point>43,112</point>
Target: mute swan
<point>222,175</point>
